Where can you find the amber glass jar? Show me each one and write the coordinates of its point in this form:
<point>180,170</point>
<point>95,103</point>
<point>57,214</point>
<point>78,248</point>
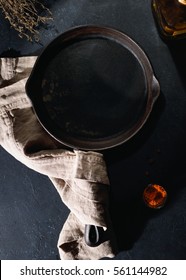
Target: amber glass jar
<point>171,17</point>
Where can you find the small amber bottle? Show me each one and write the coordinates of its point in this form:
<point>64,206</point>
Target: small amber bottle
<point>171,17</point>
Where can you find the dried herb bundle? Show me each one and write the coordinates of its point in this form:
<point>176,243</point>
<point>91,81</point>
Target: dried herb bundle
<point>25,16</point>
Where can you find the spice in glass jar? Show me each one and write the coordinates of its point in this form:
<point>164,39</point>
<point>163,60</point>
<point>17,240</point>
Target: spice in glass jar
<point>154,196</point>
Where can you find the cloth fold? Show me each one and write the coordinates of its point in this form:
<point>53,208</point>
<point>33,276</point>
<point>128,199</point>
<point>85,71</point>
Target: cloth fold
<point>80,177</point>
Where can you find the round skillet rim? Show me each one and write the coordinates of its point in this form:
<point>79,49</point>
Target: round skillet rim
<point>153,88</point>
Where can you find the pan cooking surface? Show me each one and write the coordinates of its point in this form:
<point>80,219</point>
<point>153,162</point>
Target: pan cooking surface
<point>94,88</point>
<point>90,88</point>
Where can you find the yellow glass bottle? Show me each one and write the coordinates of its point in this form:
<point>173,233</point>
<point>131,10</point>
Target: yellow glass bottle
<point>170,16</point>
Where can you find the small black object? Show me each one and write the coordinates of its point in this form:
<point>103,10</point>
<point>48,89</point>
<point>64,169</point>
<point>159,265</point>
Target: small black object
<point>93,235</point>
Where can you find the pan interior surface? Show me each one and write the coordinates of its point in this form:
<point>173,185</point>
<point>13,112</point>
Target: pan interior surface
<point>93,89</point>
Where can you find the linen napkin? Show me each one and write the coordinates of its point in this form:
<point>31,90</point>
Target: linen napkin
<point>80,177</point>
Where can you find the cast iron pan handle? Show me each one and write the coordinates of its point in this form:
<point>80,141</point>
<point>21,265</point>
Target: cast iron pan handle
<point>93,235</point>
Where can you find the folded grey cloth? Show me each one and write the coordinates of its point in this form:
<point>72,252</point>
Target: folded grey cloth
<point>79,177</point>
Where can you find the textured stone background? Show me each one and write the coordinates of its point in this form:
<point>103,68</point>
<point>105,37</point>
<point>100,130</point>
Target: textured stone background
<point>31,213</point>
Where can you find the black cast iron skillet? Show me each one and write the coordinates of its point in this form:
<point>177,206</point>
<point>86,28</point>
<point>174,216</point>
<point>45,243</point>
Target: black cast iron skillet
<point>92,88</point>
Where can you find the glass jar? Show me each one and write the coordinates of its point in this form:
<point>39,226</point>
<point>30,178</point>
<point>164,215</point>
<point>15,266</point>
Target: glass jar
<point>170,16</point>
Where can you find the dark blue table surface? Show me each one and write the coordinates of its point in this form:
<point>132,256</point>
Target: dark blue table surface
<point>31,212</point>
